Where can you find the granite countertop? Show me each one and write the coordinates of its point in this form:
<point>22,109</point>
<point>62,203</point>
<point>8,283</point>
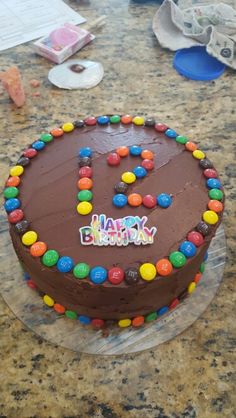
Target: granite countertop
<point>192,375</point>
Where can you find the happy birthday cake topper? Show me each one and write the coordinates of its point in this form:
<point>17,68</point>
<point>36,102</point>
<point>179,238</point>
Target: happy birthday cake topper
<point>104,231</point>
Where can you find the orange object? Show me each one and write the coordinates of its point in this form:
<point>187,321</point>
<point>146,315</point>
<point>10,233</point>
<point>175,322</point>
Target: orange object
<point>126,119</point>
<point>164,267</point>
<point>85,183</point>
<point>38,249</point>
<point>13,181</point>
<point>197,277</point>
<point>215,205</point>
<point>122,151</point>
<point>56,132</point>
<point>146,154</point>
<point>190,146</point>
<point>11,80</point>
<point>138,321</point>
<point>59,308</point>
<point>135,199</point>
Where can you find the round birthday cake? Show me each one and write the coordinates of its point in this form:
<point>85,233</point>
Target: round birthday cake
<point>111,218</point>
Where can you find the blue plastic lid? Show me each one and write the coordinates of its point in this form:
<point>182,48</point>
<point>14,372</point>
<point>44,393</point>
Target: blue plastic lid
<point>195,63</point>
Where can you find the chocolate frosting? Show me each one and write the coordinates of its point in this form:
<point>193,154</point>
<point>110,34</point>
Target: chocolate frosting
<point>49,197</point>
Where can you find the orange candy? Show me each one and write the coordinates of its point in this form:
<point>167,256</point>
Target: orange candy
<point>147,155</point>
<point>138,321</point>
<point>122,151</point>
<point>197,277</point>
<point>59,308</point>
<point>190,146</point>
<point>56,132</point>
<point>164,267</point>
<point>125,119</point>
<point>85,183</point>
<point>135,199</point>
<point>215,205</point>
<point>38,249</point>
<point>13,181</point>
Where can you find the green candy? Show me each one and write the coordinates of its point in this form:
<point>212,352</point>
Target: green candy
<point>215,194</point>
<point>202,268</point>
<point>115,119</point>
<point>151,317</point>
<point>181,139</point>
<point>85,196</point>
<point>10,192</point>
<point>81,270</point>
<point>50,258</point>
<point>71,314</point>
<point>46,137</point>
<point>177,259</point>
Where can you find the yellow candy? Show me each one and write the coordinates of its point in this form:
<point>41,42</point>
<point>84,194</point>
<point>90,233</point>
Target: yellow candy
<point>123,323</point>
<point>191,287</point>
<point>148,271</point>
<point>29,238</point>
<point>68,127</point>
<point>198,154</point>
<point>138,120</point>
<point>210,217</point>
<point>48,300</point>
<point>17,170</point>
<point>84,208</point>
<point>128,177</point>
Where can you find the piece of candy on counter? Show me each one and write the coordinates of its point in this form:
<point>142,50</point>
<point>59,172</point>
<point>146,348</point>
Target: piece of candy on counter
<point>34,83</point>
<point>11,81</point>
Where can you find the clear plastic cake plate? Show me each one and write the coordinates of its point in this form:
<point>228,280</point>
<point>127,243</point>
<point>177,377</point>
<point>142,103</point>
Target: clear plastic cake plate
<point>28,306</point>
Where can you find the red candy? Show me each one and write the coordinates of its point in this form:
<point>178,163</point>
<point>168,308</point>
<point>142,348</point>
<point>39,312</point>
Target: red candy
<point>210,173</point>
<point>149,201</point>
<point>113,159</point>
<point>161,127</point>
<point>116,275</point>
<point>97,323</point>
<point>30,153</point>
<point>196,238</point>
<point>148,164</point>
<point>90,121</point>
<point>174,303</point>
<point>31,284</point>
<point>85,172</point>
<point>15,216</point>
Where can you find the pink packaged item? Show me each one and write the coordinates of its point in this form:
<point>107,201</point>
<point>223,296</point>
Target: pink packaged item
<point>62,42</point>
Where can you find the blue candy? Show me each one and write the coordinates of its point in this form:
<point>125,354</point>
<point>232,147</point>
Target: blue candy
<point>85,152</point>
<point>205,256</point>
<point>213,183</point>
<point>11,204</point>
<point>38,145</point>
<point>26,275</point>
<point>103,120</point>
<point>140,172</point>
<point>171,133</point>
<point>98,275</point>
<point>164,200</point>
<point>120,200</point>
<point>65,264</point>
<point>188,248</point>
<point>163,310</point>
<point>135,150</point>
<point>85,320</point>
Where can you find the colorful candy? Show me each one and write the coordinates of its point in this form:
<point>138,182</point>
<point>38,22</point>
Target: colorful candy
<point>48,301</point>
<point>121,187</point>
<point>188,249</point>
<point>57,132</point>
<point>85,183</point>
<point>23,161</point>
<point>10,192</point>
<point>21,227</point>
<point>147,271</point>
<point>190,146</point>
<point>177,259</point>
<point>149,201</point>
<point>139,172</point>
<point>147,155</point>
<point>90,121</point>
<point>98,275</point>
<point>68,127</point>
<point>30,153</point>
<point>119,200</point>
<point>103,120</point>
<point>122,151</point>
<point>135,150</point>
<point>114,119</point>
<point>126,119</point>
<point>17,170</point>
<point>38,145</point>
<point>13,181</point>
<point>135,199</point>
<point>197,153</point>
<point>85,152</point>
<point>85,195</point>
<point>164,267</point>
<point>203,228</point>
<point>65,264</point>
<point>113,159</point>
<point>84,208</point>
<point>38,249</point>
<point>164,200</point>
<point>196,238</point>
<point>210,217</point>
<point>46,138</point>
<point>138,120</point>
<point>116,275</point>
<point>171,133</point>
<point>124,323</point>
<point>216,194</point>
<point>215,205</point>
<point>15,216</point>
<point>12,204</point>
<point>81,270</point>
<point>213,183</point>
<point>50,258</point>
<point>132,275</point>
<point>148,164</point>
<point>128,177</point>
<point>29,238</point>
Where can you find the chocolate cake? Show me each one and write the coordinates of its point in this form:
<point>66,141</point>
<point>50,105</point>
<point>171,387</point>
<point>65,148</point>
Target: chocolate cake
<point>114,217</point>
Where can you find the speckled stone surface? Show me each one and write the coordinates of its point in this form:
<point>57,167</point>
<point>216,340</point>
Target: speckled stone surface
<point>192,375</point>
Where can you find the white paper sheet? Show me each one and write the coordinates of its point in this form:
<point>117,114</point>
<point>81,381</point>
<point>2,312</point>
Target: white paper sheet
<point>24,20</point>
